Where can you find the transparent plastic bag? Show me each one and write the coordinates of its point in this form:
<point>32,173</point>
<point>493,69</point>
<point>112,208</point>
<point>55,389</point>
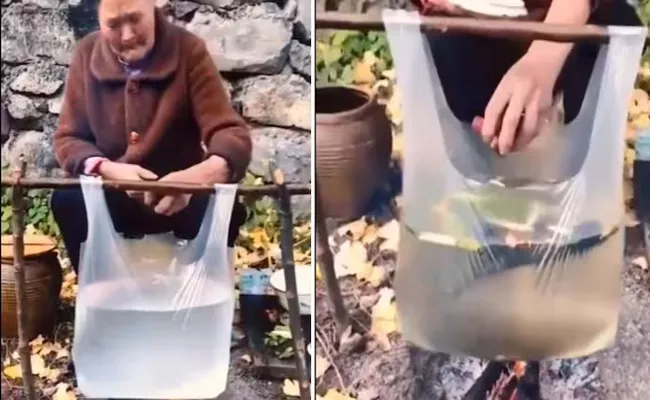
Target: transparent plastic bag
<point>514,257</point>
<point>154,315</point>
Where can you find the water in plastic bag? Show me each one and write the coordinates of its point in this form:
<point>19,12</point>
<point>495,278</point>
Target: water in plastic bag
<point>516,256</point>
<point>154,315</point>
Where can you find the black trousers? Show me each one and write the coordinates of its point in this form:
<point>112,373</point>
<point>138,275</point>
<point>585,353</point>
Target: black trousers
<point>131,219</point>
<point>470,67</point>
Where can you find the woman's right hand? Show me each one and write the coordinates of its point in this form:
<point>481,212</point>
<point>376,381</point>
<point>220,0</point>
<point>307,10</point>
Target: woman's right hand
<point>111,170</point>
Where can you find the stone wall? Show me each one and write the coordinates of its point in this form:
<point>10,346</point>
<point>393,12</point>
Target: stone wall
<point>261,47</point>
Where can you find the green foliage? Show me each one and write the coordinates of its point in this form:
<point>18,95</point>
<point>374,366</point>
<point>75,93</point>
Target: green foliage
<point>37,212</point>
<point>338,53</point>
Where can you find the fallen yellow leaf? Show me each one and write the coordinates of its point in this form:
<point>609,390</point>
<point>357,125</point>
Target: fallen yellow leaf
<point>334,394</point>
<point>356,229</point>
<point>291,388</point>
<point>384,313</point>
<point>322,365</point>
<point>370,235</point>
<point>13,372</point>
<point>389,232</point>
<point>377,277</point>
<point>363,271</point>
<point>38,365</point>
<point>63,392</point>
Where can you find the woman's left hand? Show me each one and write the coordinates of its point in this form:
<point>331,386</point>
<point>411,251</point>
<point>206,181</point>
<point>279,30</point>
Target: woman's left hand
<point>519,106</point>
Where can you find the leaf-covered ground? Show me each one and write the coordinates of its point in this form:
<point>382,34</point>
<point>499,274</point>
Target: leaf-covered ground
<point>258,247</point>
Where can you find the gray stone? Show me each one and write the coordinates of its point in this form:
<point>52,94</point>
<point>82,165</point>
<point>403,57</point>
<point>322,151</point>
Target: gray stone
<point>290,9</point>
<point>54,105</point>
<point>289,149</point>
<point>300,58</point>
<point>280,100</point>
<point>30,33</point>
<point>39,79</point>
<point>36,149</point>
<point>221,3</point>
<point>22,107</point>
<point>182,9</point>
<point>303,21</point>
<point>44,3</point>
<point>255,39</point>
<point>4,123</point>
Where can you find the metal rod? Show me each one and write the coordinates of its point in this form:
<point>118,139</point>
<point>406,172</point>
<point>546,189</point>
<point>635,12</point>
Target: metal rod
<point>64,183</point>
<point>18,208</point>
<point>500,28</point>
<point>326,264</point>
<point>286,248</point>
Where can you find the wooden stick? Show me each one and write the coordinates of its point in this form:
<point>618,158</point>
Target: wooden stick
<point>155,186</point>
<point>499,28</point>
<point>291,288</point>
<point>326,264</point>
<point>18,206</point>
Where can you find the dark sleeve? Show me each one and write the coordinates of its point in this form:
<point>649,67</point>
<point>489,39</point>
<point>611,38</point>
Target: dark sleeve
<point>223,131</point>
<point>73,140</point>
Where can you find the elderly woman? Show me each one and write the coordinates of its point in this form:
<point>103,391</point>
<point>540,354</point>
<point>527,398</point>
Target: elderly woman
<point>144,101</point>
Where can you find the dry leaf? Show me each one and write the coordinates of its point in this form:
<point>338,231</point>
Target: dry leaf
<point>350,258</point>
<point>384,313</point>
<point>246,358</point>
<point>334,394</point>
<point>363,69</point>
<point>378,276</point>
<point>370,235</point>
<point>291,388</point>
<point>38,365</point>
<point>641,262</point>
<point>389,232</point>
<point>62,353</point>
<point>63,392</point>
<point>53,374</point>
<point>13,372</point>
<point>363,271</point>
<point>355,229</point>
<point>322,365</point>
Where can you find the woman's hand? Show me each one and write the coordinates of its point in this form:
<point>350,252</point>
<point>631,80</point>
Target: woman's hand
<point>213,170</point>
<point>111,170</point>
<point>520,106</point>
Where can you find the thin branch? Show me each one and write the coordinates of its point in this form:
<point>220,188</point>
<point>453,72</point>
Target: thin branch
<point>499,28</point>
<point>155,186</point>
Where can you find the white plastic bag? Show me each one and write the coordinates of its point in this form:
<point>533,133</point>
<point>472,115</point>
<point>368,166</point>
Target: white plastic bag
<point>514,257</point>
<point>154,315</point>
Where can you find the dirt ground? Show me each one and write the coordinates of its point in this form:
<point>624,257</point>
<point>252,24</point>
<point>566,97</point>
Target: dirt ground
<point>243,384</point>
<point>365,368</point>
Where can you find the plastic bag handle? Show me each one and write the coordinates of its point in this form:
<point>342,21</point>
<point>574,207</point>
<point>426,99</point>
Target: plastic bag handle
<point>214,226</point>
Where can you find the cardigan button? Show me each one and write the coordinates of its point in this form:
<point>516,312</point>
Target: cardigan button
<point>134,137</point>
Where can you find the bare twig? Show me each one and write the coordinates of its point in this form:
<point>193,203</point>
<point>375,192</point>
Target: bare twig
<point>286,247</point>
<point>499,28</point>
<point>155,186</point>
<point>326,264</point>
<point>330,358</point>
<point>18,205</point>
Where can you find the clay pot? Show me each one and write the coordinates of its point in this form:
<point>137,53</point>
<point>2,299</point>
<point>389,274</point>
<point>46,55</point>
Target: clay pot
<point>43,280</point>
<point>353,148</point>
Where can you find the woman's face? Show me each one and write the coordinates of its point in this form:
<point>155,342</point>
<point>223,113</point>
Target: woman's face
<point>128,26</point>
